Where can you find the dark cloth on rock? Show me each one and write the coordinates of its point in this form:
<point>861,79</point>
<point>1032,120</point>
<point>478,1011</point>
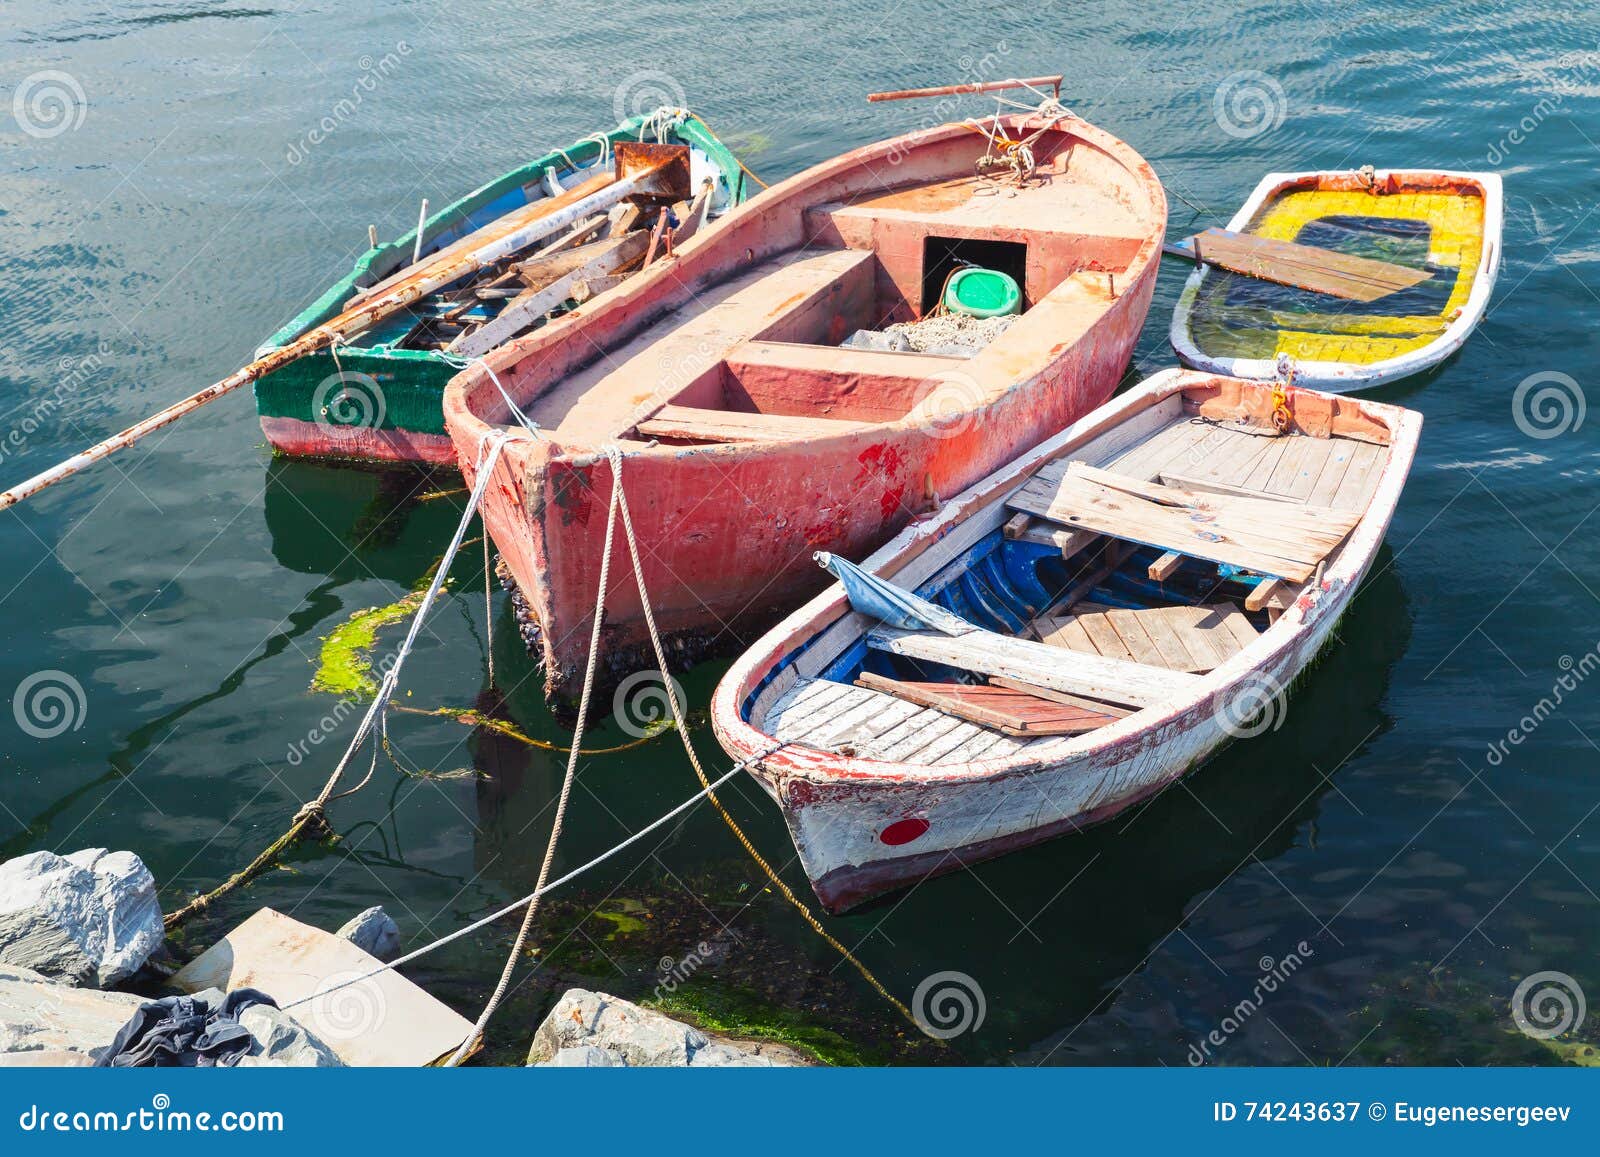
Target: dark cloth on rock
<point>185,1032</point>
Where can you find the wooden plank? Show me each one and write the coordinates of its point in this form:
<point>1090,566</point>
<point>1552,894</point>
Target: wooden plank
<point>691,424</point>
<point>1326,486</point>
<point>1130,628</point>
<point>1060,696</point>
<point>551,281</point>
<point>1274,545</point>
<point>987,744</point>
<point>1243,631</point>
<point>1341,275</point>
<point>1064,631</point>
<point>821,700</point>
<point>1026,528</point>
<point>961,734</point>
<point>1013,712</point>
<point>1361,479</point>
<point>1165,567</point>
<point>919,738</point>
<point>383,1020</point>
<point>1264,593</point>
<point>1169,641</point>
<point>1104,636</point>
<point>1210,486</point>
<point>1205,632</point>
<point>1323,523</point>
<point>1125,684</point>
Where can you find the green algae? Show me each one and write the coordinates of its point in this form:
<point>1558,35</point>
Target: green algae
<point>344,666</point>
<point>733,1011</point>
<point>626,916</point>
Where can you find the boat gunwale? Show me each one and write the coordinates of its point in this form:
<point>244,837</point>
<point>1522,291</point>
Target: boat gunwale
<point>745,741</point>
<point>1344,377</point>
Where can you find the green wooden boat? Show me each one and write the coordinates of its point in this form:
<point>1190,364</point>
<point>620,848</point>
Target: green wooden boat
<point>377,398</point>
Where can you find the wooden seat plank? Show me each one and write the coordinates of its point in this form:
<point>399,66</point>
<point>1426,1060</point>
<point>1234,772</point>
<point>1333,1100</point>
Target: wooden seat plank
<point>984,652</point>
<point>1013,712</point>
<point>691,424</point>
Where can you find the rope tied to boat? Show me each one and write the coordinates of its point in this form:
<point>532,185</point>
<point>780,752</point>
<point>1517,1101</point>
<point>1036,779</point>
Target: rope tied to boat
<point>312,814</point>
<point>614,456</point>
<point>567,781</point>
<point>1282,419</point>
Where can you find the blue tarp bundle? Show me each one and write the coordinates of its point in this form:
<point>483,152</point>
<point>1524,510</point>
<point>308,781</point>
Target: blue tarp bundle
<point>894,606</point>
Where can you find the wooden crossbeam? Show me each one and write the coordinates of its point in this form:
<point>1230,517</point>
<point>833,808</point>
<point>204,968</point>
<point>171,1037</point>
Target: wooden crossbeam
<point>1342,275</point>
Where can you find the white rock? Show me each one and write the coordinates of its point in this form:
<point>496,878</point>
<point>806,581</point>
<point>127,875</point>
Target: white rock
<point>636,1037</point>
<point>374,932</point>
<point>40,1019</point>
<point>90,918</point>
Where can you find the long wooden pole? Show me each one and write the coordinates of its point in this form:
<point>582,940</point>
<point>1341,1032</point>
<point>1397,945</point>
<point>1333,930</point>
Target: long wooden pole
<point>978,86</point>
<point>511,233</point>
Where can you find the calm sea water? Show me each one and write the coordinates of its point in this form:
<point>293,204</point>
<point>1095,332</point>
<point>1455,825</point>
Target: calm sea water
<point>171,208</point>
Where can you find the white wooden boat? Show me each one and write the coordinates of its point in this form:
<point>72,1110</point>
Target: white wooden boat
<point>1444,223</point>
<point>1125,599</point>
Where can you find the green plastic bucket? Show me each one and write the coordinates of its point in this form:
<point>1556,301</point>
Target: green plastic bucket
<point>982,293</point>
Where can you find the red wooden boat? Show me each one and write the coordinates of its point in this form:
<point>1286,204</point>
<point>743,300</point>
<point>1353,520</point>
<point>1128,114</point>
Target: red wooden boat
<point>751,437</point>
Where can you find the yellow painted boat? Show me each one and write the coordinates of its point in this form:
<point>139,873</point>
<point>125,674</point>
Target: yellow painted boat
<point>1446,223</point>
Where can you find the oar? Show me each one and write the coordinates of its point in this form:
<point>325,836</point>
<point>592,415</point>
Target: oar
<point>642,170</point>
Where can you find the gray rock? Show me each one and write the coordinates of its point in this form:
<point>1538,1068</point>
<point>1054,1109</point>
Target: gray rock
<point>635,1037</point>
<point>582,1057</point>
<point>282,1041</point>
<point>374,933</point>
<point>727,1056</point>
<point>39,1018</point>
<point>90,918</point>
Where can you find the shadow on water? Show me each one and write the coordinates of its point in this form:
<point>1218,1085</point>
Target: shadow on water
<point>354,522</point>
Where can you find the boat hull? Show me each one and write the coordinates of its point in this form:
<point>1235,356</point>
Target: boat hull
<point>1346,376</point>
<point>383,402</point>
<point>727,529</point>
<point>863,827</point>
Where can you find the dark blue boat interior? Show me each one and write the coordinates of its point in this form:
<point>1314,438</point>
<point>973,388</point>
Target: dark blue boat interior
<point>1002,584</point>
